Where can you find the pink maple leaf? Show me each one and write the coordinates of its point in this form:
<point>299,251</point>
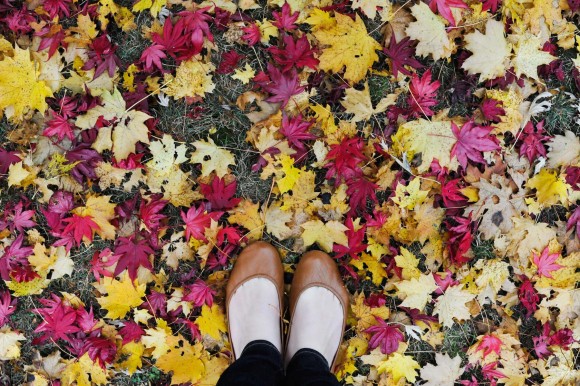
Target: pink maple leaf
<point>55,8</point>
<point>134,253</point>
<point>7,158</point>
<point>423,94</point>
<point>546,263</point>
<point>150,213</point>
<point>80,226</point>
<point>252,34</point>
<point>574,221</point>
<point>152,56</point>
<point>220,195</point>
<point>401,54</point>
<point>489,344</point>
<point>528,296</point>
<point>285,20</point>
<point>444,280</point>
<point>101,263</point>
<point>230,60</point>
<point>344,158</point>
<point>196,25</point>
<point>131,332</point>
<point>196,220</point>
<point>52,38</point>
<point>199,293</point>
<point>58,320</point>
<point>492,109</point>
<point>60,127</point>
<point>281,86</point>
<point>173,39</point>
<point>443,6</point>
<point>294,53</point>
<point>16,219</point>
<point>532,145</point>
<point>100,350</point>
<point>386,336</point>
<point>295,129</point>
<point>7,306</point>
<point>472,139</point>
<point>355,241</point>
<point>14,256</point>
<point>102,57</point>
<point>360,190</point>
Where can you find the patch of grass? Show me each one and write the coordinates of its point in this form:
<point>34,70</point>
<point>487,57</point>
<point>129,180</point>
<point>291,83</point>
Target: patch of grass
<point>561,116</point>
<point>483,249</point>
<point>379,87</point>
<point>459,337</point>
<point>421,351</point>
<point>131,44</point>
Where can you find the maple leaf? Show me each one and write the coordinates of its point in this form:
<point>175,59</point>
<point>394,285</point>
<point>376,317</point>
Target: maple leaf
<point>348,46</point>
<point>212,158</point>
<point>152,56</point>
<point>100,350</point>
<point>492,109</point>
<point>295,129</point>
<point>355,241</point>
<point>20,85</point>
<point>58,320</point>
<point>173,39</point>
<point>451,305</point>
<point>360,189</point>
<point>417,291</point>
<point>344,158</point>
<point>193,78</point>
<point>59,126</point>
<point>10,343</point>
<point>252,34</point>
<point>131,332</point>
<point>17,219</point>
<point>400,366</point>
<point>445,373</point>
<point>489,343</point>
<point>285,20</point>
<point>574,221</point>
<point>122,296</point>
<point>196,25</point>
<point>359,103</point>
<point>52,38</point>
<point>430,32</point>
<point>443,7</point>
<point>281,86</point>
<point>490,51</point>
<point>80,227</point>
<point>220,195</point>
<point>134,253</point>
<point>386,336</point>
<point>7,306</point>
<point>528,296</point>
<point>545,262</point>
<point>102,57</point>
<point>532,145</point>
<point>60,8</point>
<point>196,220</point>
<point>472,139</point>
<point>423,94</point>
<point>325,234</point>
<point>229,62</point>
<point>154,7</point>
<point>294,53</point>
<point>150,213</point>
<point>7,158</point>
<point>183,360</point>
<point>199,293</point>
<point>401,54</point>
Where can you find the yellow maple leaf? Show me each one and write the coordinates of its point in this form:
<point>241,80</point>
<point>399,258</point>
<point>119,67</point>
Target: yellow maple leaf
<point>365,316</point>
<point>83,372</point>
<point>452,305</point>
<point>416,292</point>
<point>183,360</point>
<point>247,215</point>
<point>156,338</point>
<point>550,188</point>
<point>359,103</point>
<point>564,149</point>
<point>433,139</point>
<point>212,321</point>
<point>368,264</point>
<point>154,6</point>
<point>244,75</point>
<point>192,79</point>
<point>276,219</point>
<point>349,45</point>
<point>320,19</point>
<point>410,195</point>
<point>218,158</point>
<point>133,351</point>
<point>18,175</point>
<point>20,87</point>
<point>56,260</point>
<point>325,234</point>
<point>27,288</point>
<point>529,55</point>
<point>291,174</point>
<point>490,51</point>
<point>429,31</point>
<point>408,263</point>
<point>399,366</point>
<point>10,343</point>
<point>122,295</point>
<point>102,211</point>
<point>121,136</point>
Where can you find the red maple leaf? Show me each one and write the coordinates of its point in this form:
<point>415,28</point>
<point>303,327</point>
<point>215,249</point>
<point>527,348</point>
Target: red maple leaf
<point>80,226</point>
<point>157,303</point>
<point>52,38</point>
<point>528,296</point>
<point>197,27</point>
<point>492,109</point>
<point>7,158</point>
<point>59,126</point>
<point>490,5</point>
<point>7,306</point>
<point>58,320</point>
<point>281,86</point>
<point>199,293</point>
<point>472,139</point>
<point>134,254</point>
<point>401,54</point>
<point>86,320</point>
<point>386,336</point>
<point>152,56</point>
<point>355,241</point>
<point>102,57</point>
<point>100,350</point>
<point>294,53</point>
<point>532,145</point>
<point>295,129</point>
<point>60,8</point>
<point>574,221</point>
<point>489,343</point>
<point>344,158</point>
<point>230,60</point>
<point>285,20</point>
<point>443,6</point>
<point>252,34</point>
<point>360,190</point>
<point>101,261</point>
<point>220,195</point>
<point>451,193</point>
<point>150,213</point>
<point>196,220</point>
<point>546,262</point>
<point>131,332</point>
<point>423,94</point>
<point>173,39</point>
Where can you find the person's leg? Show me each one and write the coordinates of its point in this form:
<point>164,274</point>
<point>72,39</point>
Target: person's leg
<point>259,365</point>
<point>309,368</point>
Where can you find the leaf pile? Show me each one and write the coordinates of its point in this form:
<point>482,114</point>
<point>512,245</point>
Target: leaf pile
<point>431,148</point>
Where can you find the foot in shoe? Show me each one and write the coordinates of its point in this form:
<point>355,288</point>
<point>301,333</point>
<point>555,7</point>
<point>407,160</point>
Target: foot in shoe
<point>317,324</point>
<point>254,313</point>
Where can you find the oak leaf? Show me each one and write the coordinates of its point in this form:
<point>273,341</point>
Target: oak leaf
<point>348,45</point>
<point>325,234</point>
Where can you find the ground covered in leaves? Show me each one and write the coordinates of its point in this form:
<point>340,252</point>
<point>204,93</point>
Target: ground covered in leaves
<point>430,147</point>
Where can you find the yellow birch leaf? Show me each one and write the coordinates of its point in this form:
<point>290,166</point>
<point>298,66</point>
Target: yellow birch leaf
<point>325,234</point>
<point>399,366</point>
<point>429,30</point>
<point>192,79</point>
<point>550,188</point>
<point>10,343</point>
<point>416,292</point>
<point>348,45</point>
<point>212,321</point>
<point>247,215</point>
<point>122,295</point>
<point>20,87</point>
<point>83,372</point>
<point>490,51</point>
<point>218,158</point>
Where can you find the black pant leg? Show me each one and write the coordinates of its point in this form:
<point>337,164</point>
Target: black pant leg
<point>259,365</point>
<point>309,368</point>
